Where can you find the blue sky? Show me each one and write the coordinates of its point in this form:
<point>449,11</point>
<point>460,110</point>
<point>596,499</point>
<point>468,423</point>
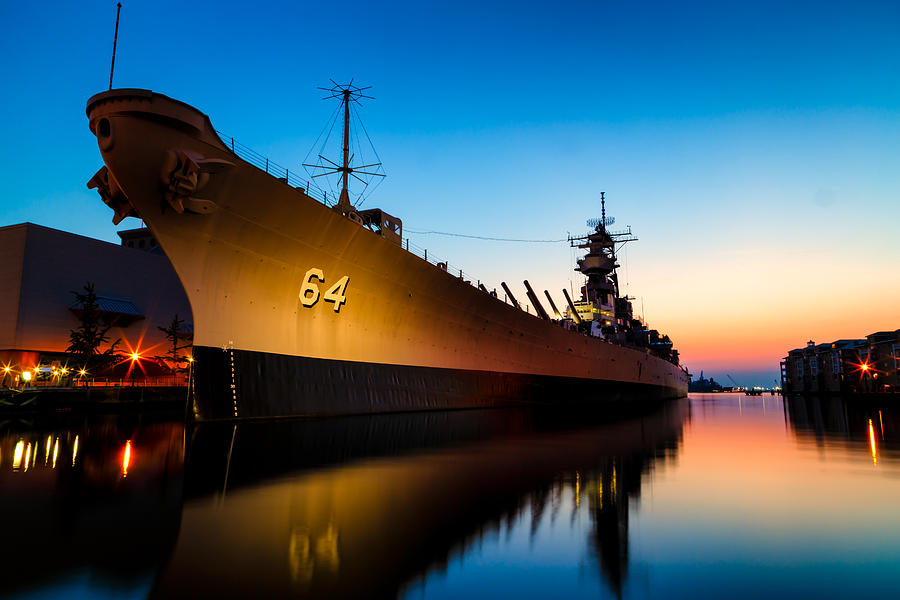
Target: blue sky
<point>752,146</point>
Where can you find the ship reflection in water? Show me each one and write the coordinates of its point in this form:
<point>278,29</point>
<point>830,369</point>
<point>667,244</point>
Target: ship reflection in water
<point>361,507</point>
<point>716,495</point>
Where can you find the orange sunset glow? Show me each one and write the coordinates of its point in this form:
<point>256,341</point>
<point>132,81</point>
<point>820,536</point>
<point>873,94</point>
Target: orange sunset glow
<point>752,307</point>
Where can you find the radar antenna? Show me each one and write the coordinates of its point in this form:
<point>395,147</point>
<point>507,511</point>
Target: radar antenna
<point>347,94</point>
<point>600,227</point>
<point>603,222</point>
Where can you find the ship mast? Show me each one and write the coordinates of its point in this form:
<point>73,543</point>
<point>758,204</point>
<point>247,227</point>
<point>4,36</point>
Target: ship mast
<point>346,94</point>
<point>345,170</point>
<point>603,210</point>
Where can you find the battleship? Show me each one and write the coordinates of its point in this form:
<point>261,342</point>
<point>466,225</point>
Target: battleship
<point>303,306</point>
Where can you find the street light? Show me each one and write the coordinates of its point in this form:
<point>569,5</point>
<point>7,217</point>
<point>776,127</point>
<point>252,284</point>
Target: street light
<point>135,357</point>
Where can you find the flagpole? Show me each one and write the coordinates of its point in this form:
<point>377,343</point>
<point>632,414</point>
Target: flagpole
<point>115,40</point>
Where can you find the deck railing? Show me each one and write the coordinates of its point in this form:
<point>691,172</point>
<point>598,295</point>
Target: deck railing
<point>176,380</point>
<point>274,169</point>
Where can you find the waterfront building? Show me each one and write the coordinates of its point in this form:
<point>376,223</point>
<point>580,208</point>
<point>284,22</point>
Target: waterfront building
<point>870,365</point>
<point>137,292</point>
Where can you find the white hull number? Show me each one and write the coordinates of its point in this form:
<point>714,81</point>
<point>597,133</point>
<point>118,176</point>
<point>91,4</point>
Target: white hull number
<point>309,293</point>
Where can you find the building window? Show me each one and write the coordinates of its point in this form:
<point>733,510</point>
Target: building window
<point>836,363</point>
<point>799,365</point>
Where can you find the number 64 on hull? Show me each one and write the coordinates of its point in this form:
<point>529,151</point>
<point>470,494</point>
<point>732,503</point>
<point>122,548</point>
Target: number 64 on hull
<point>309,292</point>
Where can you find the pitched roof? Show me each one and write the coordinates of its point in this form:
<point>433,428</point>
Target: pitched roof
<point>112,306</point>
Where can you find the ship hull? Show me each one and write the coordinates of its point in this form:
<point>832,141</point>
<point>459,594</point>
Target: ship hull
<point>273,336</point>
<point>275,385</point>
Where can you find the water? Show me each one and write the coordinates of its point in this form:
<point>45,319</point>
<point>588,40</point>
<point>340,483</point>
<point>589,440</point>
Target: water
<point>712,496</point>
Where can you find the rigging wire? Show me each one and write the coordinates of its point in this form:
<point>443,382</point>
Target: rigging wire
<point>358,152</point>
<point>327,178</point>
<point>487,238</point>
<point>329,125</point>
<point>366,192</point>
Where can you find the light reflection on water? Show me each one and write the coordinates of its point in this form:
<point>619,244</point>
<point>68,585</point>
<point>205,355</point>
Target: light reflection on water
<point>73,524</point>
<point>721,495</point>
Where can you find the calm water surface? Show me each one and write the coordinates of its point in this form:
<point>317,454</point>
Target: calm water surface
<point>718,495</point>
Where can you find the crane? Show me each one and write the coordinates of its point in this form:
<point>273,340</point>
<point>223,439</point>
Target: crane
<point>736,384</point>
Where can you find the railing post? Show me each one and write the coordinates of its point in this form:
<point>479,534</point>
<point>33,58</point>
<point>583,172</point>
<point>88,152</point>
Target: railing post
<point>407,244</point>
<point>232,145</point>
<point>267,165</point>
<point>426,253</point>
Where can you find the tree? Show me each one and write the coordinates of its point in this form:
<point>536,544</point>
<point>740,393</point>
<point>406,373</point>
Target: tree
<point>86,339</point>
<point>173,333</point>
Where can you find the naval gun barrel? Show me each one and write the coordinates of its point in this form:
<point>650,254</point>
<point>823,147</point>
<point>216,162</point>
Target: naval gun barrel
<point>510,294</point>
<point>552,305</point>
<point>534,300</point>
<point>572,306</point>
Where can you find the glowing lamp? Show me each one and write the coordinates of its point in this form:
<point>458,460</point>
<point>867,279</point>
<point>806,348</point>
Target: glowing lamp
<point>135,356</point>
<point>864,367</point>
<point>26,375</point>
<point>82,372</point>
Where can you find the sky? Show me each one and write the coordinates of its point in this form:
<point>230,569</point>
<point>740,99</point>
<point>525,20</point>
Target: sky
<point>751,146</point>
